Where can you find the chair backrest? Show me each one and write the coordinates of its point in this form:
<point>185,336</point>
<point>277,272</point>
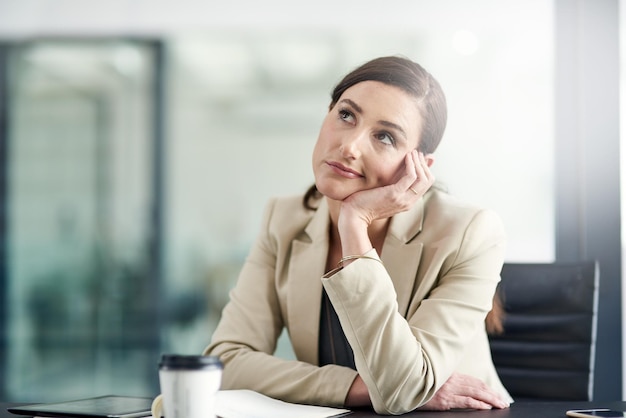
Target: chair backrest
<point>547,349</point>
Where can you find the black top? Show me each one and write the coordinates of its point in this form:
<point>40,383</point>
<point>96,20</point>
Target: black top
<point>333,345</point>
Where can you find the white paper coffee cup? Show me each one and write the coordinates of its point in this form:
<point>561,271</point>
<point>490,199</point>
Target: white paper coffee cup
<point>189,384</point>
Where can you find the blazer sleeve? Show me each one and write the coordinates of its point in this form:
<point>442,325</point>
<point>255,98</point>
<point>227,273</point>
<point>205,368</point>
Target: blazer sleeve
<point>404,361</point>
<point>246,337</point>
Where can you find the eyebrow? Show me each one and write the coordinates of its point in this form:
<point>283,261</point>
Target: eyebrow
<point>382,122</point>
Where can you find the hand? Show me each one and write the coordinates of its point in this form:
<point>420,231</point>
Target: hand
<point>358,394</point>
<point>361,209</point>
<point>412,181</point>
<point>462,391</point>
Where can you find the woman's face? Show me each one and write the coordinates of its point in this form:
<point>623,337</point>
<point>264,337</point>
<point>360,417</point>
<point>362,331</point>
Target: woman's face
<point>364,139</point>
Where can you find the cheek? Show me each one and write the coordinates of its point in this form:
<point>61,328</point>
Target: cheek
<point>387,171</point>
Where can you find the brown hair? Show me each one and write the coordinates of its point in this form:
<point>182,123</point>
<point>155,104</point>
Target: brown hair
<point>413,79</point>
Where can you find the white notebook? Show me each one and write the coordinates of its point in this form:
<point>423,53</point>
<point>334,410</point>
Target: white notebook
<point>250,404</point>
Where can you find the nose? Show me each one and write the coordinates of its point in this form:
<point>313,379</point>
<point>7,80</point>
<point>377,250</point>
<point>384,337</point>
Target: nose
<point>351,145</point>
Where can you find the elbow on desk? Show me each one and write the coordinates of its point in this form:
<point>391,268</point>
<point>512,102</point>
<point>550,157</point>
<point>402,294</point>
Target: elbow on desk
<point>398,399</point>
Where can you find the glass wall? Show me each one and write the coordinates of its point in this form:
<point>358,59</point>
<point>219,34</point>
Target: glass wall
<point>79,196</point>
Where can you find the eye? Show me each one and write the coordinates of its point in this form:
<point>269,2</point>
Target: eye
<point>346,115</point>
<point>385,138</point>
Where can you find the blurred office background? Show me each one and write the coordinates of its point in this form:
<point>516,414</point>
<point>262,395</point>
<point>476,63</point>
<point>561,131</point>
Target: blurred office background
<point>140,140</point>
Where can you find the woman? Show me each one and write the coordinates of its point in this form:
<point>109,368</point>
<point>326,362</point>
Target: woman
<point>382,282</point>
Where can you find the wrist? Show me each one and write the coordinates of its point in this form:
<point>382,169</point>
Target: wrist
<point>351,218</point>
<point>351,225</point>
<point>358,395</point>
<point>349,258</point>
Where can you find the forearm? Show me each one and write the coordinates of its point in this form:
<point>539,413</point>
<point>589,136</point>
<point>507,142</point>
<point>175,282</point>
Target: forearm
<point>388,357</point>
<point>420,351</point>
<point>353,233</point>
<point>288,380</point>
<point>358,395</point>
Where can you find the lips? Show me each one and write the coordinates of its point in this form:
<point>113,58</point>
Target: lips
<point>344,171</point>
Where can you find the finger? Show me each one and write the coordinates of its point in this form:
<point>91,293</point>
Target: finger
<point>422,168</point>
<point>418,163</point>
<point>471,403</point>
<point>415,168</point>
<point>423,177</point>
<point>477,389</point>
<point>409,175</point>
<point>484,394</point>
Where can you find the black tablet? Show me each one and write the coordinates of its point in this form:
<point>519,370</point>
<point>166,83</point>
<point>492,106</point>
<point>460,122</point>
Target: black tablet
<point>109,406</point>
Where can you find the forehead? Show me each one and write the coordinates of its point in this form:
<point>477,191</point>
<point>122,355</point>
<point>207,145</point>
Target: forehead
<point>384,102</point>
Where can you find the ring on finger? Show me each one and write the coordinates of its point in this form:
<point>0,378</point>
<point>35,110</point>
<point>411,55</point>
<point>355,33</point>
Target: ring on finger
<point>413,190</point>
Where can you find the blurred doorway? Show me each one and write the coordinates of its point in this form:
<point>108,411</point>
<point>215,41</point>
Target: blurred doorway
<point>81,220</point>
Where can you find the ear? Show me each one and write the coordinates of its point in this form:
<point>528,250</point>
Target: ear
<point>430,160</point>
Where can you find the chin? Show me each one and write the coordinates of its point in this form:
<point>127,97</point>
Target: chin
<point>335,193</point>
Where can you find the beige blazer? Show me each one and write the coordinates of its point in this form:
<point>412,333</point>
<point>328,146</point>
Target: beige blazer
<point>412,321</point>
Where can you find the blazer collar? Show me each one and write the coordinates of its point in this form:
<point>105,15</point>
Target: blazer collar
<point>402,252</point>
<point>308,261</point>
<point>406,225</point>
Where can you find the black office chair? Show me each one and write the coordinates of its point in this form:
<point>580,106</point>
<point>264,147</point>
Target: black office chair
<point>547,348</point>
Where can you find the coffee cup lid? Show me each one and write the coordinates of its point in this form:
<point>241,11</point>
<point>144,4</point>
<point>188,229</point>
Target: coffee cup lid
<point>189,362</point>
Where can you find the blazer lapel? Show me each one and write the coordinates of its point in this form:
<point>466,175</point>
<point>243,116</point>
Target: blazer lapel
<point>401,253</point>
<point>308,261</point>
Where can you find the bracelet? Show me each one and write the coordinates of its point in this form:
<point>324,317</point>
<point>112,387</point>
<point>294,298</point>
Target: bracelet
<point>354,257</point>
